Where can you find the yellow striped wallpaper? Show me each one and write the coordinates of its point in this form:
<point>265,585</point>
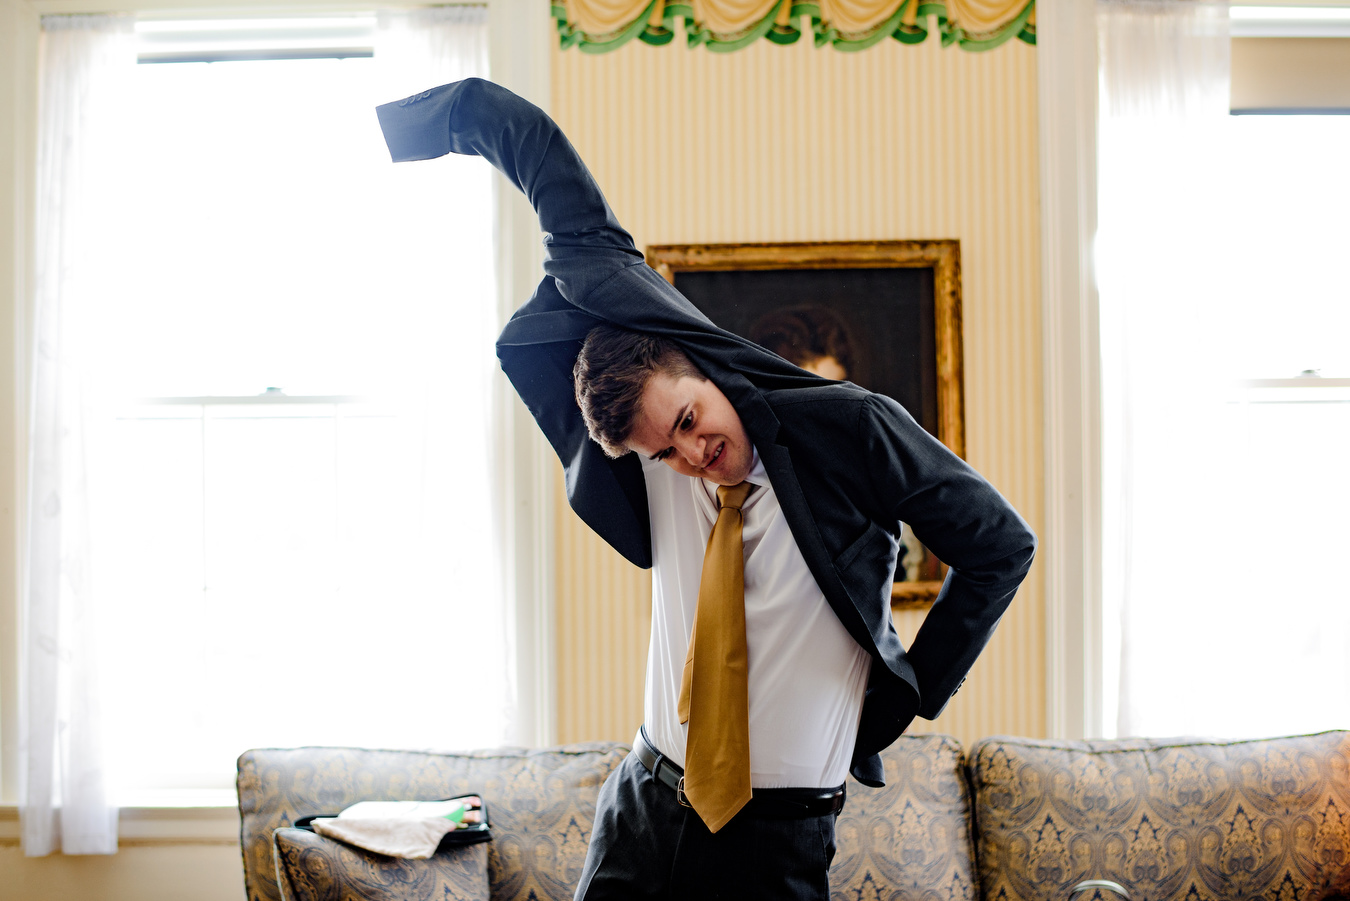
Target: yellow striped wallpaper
<point>796,144</point>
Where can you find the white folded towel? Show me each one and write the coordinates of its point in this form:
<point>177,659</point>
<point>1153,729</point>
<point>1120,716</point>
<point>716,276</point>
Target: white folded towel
<point>411,829</point>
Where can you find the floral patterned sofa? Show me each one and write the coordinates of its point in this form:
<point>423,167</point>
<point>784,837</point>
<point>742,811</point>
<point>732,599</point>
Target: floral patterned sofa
<point>1016,820</point>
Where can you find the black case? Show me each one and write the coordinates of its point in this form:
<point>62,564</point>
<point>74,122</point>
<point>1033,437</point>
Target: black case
<point>465,835</point>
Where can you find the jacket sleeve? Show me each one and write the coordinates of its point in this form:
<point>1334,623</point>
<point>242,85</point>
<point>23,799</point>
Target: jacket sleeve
<point>584,241</point>
<point>586,248</point>
<point>962,519</point>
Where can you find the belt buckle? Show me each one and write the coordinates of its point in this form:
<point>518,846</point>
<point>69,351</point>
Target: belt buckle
<point>680,795</point>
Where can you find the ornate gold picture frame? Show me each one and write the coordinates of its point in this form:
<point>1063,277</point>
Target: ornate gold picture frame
<point>883,314</point>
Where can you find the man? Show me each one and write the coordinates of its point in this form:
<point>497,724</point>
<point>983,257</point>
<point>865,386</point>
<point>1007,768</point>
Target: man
<point>824,474</point>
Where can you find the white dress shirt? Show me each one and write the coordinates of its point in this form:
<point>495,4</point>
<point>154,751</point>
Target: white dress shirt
<point>807,674</point>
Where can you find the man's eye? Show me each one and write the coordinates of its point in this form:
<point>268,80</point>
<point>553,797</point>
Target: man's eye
<point>687,423</point>
<point>665,454</point>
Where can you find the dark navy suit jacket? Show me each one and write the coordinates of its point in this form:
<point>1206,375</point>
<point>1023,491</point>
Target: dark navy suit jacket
<point>848,466</point>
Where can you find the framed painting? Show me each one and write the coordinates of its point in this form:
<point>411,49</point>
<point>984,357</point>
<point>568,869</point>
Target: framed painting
<point>885,315</point>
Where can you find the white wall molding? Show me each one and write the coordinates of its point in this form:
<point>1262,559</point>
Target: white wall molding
<point>519,58</point>
<point>1066,50</point>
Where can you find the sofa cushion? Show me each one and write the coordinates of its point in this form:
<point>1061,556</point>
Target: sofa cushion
<point>1168,819</point>
<point>912,839</point>
<point>311,867</point>
<point>542,804</point>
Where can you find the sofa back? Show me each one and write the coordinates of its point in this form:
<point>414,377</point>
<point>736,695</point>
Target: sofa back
<point>895,842</point>
<point>541,804</point>
<point>911,840</point>
<point>1169,820</point>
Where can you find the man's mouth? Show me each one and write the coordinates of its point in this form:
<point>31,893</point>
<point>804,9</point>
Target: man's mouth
<point>717,455</point>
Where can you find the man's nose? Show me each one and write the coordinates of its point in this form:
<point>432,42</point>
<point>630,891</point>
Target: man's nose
<point>691,448</point>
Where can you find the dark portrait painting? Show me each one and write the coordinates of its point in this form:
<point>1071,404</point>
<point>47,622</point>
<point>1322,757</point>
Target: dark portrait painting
<point>873,327</point>
<point>883,315</point>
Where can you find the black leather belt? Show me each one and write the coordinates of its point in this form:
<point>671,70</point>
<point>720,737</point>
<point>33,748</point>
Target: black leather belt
<point>767,803</point>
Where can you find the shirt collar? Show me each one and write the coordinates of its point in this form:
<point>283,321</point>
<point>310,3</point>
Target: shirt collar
<point>757,474</point>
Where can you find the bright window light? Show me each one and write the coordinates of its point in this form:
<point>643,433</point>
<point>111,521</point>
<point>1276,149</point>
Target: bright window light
<point>298,549</point>
<point>1257,359</point>
<point>1281,238</point>
<point>1289,13</point>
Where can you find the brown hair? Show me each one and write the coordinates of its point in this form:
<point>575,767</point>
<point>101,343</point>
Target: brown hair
<point>610,375</point>
<point>804,334</point>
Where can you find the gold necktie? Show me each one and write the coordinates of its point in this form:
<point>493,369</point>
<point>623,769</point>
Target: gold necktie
<point>715,690</point>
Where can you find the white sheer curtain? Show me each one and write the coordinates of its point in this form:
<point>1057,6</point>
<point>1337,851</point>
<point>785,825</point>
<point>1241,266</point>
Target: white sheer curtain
<point>1173,552</point>
<point>84,61</point>
<point>139,297</point>
<point>422,48</point>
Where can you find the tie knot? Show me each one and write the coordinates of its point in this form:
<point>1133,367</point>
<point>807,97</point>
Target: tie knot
<point>733,495</point>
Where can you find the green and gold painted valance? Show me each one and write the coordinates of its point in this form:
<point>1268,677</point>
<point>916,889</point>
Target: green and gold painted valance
<point>597,26</point>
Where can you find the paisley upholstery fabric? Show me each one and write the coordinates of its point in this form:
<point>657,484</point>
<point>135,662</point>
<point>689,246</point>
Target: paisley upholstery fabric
<point>1176,820</point>
<point>1180,819</point>
<point>541,804</point>
<point>314,868</point>
<point>909,841</point>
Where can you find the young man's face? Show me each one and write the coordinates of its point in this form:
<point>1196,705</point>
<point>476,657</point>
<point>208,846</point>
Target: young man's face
<point>689,424</point>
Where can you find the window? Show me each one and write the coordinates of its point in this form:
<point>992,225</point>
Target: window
<point>1268,650</point>
<point>291,466</point>
<point>1226,406</point>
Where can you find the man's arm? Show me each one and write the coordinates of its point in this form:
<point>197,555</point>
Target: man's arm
<point>593,274</point>
<point>586,247</point>
<point>585,243</point>
<point>962,519</point>
<point>592,262</point>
